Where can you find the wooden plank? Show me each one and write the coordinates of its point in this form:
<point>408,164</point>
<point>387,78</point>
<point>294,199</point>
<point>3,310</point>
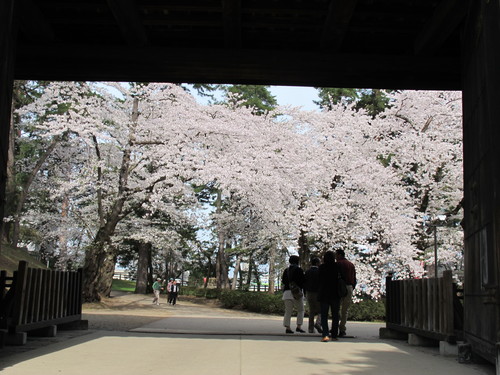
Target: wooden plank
<point>65,298</point>
<point>8,41</point>
<point>3,284</point>
<point>231,14</point>
<point>425,310</point>
<point>28,295</point>
<point>429,334</point>
<point>405,306</point>
<point>414,299</point>
<point>448,327</point>
<point>57,294</point>
<point>440,304</point>
<point>18,310</point>
<point>399,302</point>
<point>44,295</point>
<point>46,323</point>
<point>52,300</point>
<point>79,290</point>
<point>336,24</point>
<point>445,20</point>
<point>245,66</point>
<point>436,305</point>
<point>125,13</point>
<point>37,287</point>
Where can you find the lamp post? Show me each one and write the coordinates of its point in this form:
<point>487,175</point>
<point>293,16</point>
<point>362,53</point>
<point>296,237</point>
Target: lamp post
<point>435,220</point>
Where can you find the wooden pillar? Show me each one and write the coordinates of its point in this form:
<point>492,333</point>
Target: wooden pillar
<point>8,36</point>
<point>481,98</point>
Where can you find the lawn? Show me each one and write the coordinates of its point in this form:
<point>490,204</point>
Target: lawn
<point>123,285</point>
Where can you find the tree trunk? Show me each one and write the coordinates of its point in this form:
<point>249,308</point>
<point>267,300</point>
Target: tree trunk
<point>25,190</point>
<point>250,270</point>
<point>96,275</point>
<point>221,265</point>
<point>141,284</point>
<point>63,245</point>
<point>236,270</point>
<point>272,268</point>
<point>257,277</point>
<point>304,251</point>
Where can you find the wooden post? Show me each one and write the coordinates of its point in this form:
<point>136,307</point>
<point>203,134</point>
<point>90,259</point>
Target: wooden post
<point>8,38</point>
<point>3,284</point>
<point>20,285</point>
<point>389,300</point>
<point>448,326</point>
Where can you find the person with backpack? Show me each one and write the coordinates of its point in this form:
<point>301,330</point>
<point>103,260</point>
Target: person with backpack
<point>293,285</point>
<point>311,288</point>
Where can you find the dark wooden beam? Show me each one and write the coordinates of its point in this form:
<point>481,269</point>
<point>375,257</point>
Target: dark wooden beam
<point>8,37</point>
<point>337,21</point>
<point>125,13</point>
<point>33,24</point>
<point>232,23</point>
<point>445,20</point>
<point>203,65</point>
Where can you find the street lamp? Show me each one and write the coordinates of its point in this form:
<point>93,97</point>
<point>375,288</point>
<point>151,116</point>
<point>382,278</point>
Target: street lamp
<point>435,220</point>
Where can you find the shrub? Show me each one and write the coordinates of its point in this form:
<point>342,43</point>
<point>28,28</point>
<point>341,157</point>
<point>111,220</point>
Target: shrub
<point>367,310</point>
<point>258,302</point>
<point>264,303</point>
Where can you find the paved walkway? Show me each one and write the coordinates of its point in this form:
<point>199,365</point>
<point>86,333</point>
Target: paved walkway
<point>204,341</point>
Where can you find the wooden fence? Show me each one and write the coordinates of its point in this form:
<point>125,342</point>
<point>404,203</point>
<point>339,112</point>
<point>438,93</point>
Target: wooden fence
<point>36,298</point>
<point>427,307</point>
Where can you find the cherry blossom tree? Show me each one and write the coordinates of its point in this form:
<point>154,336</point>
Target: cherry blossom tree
<point>289,179</point>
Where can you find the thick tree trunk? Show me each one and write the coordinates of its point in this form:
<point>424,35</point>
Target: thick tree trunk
<point>141,285</point>
<point>97,277</point>
<point>234,286</point>
<point>221,266</point>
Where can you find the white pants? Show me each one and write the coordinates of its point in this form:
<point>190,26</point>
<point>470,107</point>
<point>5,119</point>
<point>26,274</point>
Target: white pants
<point>156,299</point>
<point>289,305</point>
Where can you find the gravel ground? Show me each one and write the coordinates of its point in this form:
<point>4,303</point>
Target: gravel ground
<point>125,311</point>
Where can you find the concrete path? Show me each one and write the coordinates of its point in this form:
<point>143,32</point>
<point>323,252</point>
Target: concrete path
<point>202,341</point>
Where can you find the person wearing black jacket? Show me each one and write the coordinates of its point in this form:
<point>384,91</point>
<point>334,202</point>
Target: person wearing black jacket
<point>312,287</point>
<point>296,274</point>
<point>328,295</point>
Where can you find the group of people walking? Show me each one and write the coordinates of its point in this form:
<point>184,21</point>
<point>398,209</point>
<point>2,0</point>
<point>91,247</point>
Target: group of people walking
<point>172,291</point>
<point>320,285</point>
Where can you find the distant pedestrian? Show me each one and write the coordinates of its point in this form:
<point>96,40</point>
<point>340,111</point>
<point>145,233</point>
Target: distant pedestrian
<point>349,273</point>
<point>293,283</point>
<point>174,291</point>
<point>311,288</point>
<point>328,295</point>
<point>157,288</point>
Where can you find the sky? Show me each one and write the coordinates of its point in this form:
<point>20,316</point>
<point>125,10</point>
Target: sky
<point>296,96</point>
<point>288,95</point>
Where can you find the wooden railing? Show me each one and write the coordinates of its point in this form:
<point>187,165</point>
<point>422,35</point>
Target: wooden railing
<point>36,298</point>
<point>427,307</point>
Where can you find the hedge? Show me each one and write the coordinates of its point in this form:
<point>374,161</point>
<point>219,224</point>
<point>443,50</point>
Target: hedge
<point>264,303</point>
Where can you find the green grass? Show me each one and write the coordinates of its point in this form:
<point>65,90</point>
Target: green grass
<point>123,285</point>
<point>10,257</point>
